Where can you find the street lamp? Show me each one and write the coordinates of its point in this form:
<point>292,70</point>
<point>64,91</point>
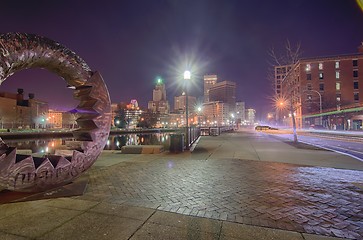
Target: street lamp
<point>232,120</point>
<point>187,76</point>
<point>199,109</point>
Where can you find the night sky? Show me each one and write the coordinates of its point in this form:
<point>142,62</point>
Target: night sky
<point>133,42</point>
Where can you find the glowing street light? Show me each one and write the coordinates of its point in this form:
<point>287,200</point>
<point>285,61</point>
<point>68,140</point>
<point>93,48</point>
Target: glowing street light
<point>199,109</point>
<point>187,76</point>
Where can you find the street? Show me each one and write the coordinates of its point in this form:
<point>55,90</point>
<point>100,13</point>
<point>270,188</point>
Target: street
<point>349,143</point>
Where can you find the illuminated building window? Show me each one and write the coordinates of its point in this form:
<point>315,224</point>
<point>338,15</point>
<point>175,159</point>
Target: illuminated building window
<point>337,64</point>
<point>320,66</point>
<point>355,63</point>
<point>355,85</point>
<point>337,86</point>
<point>338,97</point>
<point>321,86</point>
<point>308,67</point>
<point>321,75</point>
<point>356,96</point>
<point>308,76</point>
<point>337,75</point>
<point>355,73</point>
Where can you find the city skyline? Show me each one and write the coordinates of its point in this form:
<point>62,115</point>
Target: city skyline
<point>131,44</point>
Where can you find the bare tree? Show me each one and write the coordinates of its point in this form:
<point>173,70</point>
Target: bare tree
<point>287,60</point>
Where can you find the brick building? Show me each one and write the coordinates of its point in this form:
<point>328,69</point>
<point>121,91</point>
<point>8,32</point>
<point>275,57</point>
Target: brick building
<point>326,91</point>
<point>18,112</point>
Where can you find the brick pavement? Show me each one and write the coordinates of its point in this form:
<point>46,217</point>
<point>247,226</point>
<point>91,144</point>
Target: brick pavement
<point>324,201</point>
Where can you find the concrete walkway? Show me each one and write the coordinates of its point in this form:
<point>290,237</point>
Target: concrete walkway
<point>242,185</point>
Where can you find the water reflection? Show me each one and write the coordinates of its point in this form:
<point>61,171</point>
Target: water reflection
<point>114,142</point>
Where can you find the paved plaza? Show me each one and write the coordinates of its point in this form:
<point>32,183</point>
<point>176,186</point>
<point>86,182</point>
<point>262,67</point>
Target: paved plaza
<point>241,185</point>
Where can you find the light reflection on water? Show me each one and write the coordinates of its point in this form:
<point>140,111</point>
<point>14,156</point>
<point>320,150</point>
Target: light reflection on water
<point>114,142</point>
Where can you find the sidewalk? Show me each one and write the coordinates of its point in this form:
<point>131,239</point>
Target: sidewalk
<point>242,185</point>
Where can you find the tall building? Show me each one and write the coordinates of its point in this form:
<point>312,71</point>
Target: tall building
<point>330,84</point>
<point>179,103</point>
<point>250,116</point>
<point>225,92</point>
<point>126,115</point>
<point>159,104</point>
<point>216,113</point>
<point>209,81</point>
<point>240,112</point>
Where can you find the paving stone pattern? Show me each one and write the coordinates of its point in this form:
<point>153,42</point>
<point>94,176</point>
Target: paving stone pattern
<point>315,200</point>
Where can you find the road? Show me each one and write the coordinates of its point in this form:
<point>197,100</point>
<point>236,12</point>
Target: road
<point>349,143</point>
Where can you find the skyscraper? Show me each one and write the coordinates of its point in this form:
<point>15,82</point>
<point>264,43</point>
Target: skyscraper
<point>209,81</point>
<point>240,112</point>
<point>159,104</point>
<point>225,92</point>
<point>179,103</point>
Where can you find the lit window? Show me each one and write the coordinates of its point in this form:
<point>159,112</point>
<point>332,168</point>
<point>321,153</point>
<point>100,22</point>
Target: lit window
<point>320,66</point>
<point>338,97</point>
<point>321,75</point>
<point>337,64</point>
<point>337,86</point>
<point>337,75</point>
<point>308,67</point>
<point>355,73</point>
<point>356,96</point>
<point>355,85</point>
<point>355,63</point>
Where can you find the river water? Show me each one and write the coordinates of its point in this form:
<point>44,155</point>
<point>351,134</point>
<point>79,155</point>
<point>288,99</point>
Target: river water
<point>114,142</point>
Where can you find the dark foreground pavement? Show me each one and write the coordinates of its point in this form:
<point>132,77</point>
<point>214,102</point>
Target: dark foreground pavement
<point>242,185</point>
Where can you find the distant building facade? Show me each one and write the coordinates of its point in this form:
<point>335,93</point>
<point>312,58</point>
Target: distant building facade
<point>55,119</point>
<point>159,104</point>
<point>219,100</point>
<point>240,112</point>
<point>224,91</point>
<point>180,103</point>
<point>216,113</point>
<point>209,81</point>
<point>18,112</point>
<point>126,115</point>
<point>250,116</point>
<point>336,80</point>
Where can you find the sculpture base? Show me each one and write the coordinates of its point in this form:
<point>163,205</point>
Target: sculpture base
<point>75,188</point>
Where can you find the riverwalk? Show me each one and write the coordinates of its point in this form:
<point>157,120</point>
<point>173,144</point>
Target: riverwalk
<point>240,185</point>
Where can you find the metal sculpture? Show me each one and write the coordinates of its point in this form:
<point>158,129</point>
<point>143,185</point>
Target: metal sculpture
<point>33,174</point>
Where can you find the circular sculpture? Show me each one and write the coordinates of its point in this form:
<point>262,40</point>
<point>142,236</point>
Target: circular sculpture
<point>32,174</point>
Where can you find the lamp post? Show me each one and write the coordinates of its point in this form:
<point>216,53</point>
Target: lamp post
<point>187,76</point>
<point>199,112</point>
